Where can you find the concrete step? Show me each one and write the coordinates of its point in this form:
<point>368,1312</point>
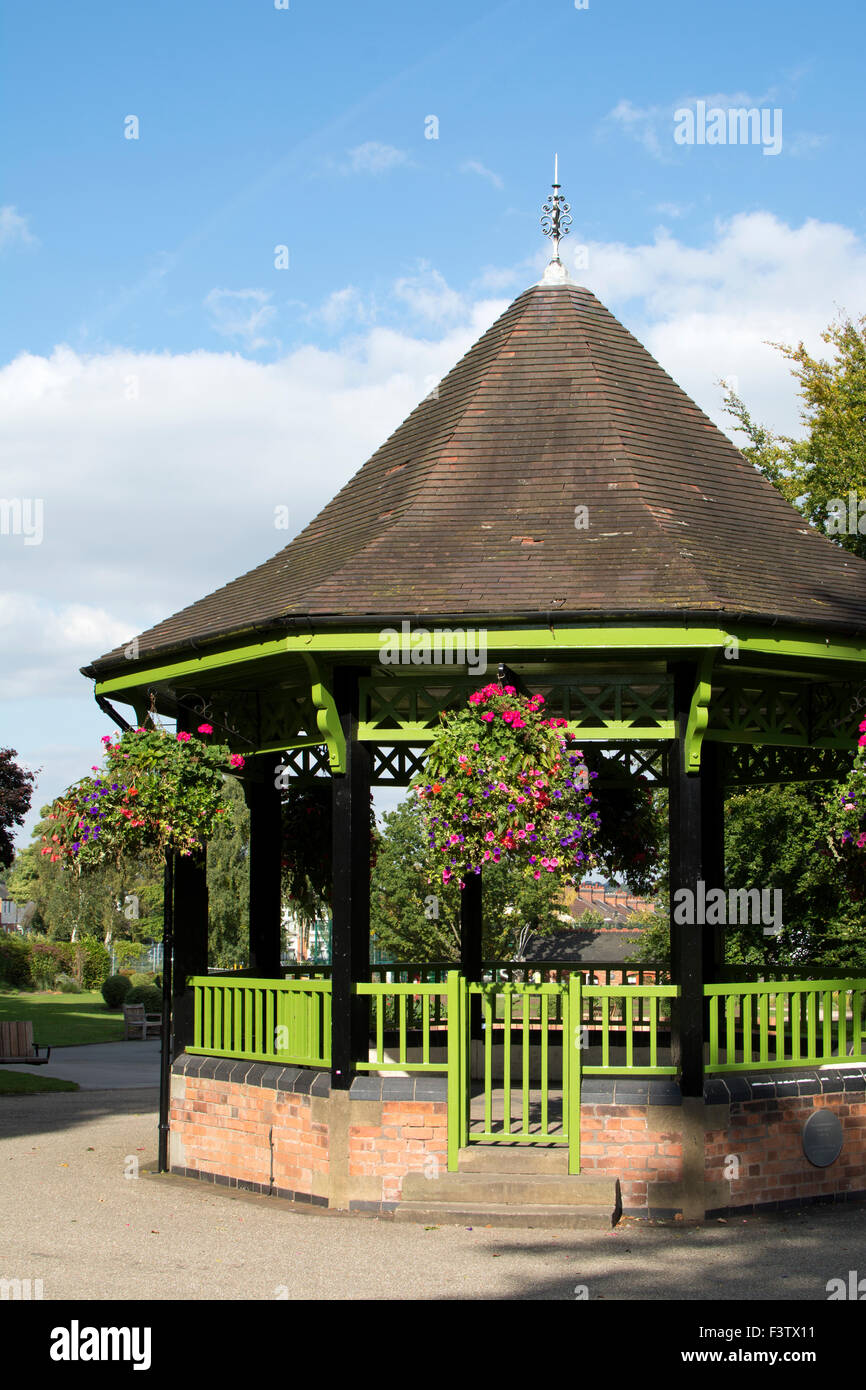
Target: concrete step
<point>571,1218</point>
<point>514,1158</point>
<point>511,1189</point>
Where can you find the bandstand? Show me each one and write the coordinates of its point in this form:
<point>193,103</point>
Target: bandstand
<point>559,497</point>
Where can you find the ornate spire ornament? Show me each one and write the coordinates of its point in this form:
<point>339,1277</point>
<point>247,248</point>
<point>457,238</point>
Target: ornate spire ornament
<point>555,222</point>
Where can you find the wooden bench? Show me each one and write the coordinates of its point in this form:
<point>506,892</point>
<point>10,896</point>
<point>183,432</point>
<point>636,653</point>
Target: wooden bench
<point>17,1045</point>
<point>139,1024</point>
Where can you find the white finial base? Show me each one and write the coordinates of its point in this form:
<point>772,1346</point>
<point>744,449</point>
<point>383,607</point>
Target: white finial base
<point>556,274</point>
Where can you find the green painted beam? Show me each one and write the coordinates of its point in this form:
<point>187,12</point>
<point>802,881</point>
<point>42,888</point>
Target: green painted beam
<point>500,641</point>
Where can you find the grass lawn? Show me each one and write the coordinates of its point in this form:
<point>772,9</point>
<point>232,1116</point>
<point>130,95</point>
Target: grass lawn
<point>13,1083</point>
<point>62,1020</point>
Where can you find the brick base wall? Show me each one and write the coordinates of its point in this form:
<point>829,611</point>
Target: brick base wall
<point>739,1148</point>
<point>642,1145</point>
<point>282,1131</point>
<point>758,1155</point>
<point>410,1137</point>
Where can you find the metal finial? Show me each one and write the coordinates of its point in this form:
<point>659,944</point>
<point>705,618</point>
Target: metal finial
<point>557,214</point>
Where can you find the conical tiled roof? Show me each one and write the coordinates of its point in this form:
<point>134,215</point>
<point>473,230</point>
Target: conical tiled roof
<point>468,510</point>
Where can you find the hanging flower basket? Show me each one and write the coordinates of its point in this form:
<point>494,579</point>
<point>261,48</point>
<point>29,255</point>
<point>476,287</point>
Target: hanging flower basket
<point>307,851</point>
<point>846,821</point>
<point>500,780</point>
<point>156,792</point>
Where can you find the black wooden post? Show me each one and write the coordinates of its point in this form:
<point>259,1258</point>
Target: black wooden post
<point>165,1051</point>
<point>713,852</point>
<point>190,940</point>
<point>350,933</point>
<point>471,924</point>
<point>687,938</point>
<point>265,806</point>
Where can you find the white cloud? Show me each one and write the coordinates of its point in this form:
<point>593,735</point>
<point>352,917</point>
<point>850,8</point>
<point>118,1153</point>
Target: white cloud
<point>473,166</point>
<point>374,158</point>
<point>708,312</point>
<point>14,229</point>
<point>342,307</point>
<point>45,641</point>
<point>428,296</point>
<point>241,314</point>
<point>653,126</point>
<point>160,472</point>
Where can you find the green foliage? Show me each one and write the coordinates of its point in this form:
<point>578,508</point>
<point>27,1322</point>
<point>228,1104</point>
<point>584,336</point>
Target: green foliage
<point>16,789</point>
<point>414,917</point>
<point>47,960</point>
<point>110,901</point>
<point>140,979</point>
<point>654,946</point>
<point>15,969</point>
<point>228,883</point>
<point>91,962</point>
<point>307,850</point>
<point>590,920</point>
<point>831,459</point>
<point>147,995</point>
<point>156,793</point>
<point>630,842</point>
<point>115,990</point>
<point>499,782</point>
<point>778,837</point>
<point>67,985</point>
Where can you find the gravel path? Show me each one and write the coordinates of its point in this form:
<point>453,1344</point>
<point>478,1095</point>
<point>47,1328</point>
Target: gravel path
<point>70,1216</point>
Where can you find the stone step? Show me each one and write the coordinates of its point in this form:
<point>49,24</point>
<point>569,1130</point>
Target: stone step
<point>571,1218</point>
<point>514,1158</point>
<point>512,1189</point>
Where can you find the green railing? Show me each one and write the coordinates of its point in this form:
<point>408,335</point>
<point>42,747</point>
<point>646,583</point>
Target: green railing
<point>785,1024</point>
<point>636,1014</point>
<point>418,1008</point>
<point>542,1115</point>
<point>286,1021</point>
<point>412,1011</point>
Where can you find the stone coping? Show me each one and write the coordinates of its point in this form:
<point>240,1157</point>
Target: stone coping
<point>595,1090</point>
<point>790,1081</point>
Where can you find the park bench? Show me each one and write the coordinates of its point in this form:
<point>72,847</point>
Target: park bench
<point>139,1024</point>
<point>17,1045</point>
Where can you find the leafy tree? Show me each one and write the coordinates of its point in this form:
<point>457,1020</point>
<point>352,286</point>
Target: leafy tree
<point>16,790</point>
<point>831,460</point>
<point>415,917</point>
<point>228,882</point>
<point>114,901</point>
<point>776,837</point>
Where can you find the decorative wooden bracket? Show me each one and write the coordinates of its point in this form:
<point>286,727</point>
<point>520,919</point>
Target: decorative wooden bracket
<point>699,714</point>
<point>327,718</point>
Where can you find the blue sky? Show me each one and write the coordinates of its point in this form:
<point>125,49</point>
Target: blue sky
<point>165,386</point>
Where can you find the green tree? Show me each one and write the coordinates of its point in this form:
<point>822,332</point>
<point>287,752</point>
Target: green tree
<point>830,461</point>
<point>415,917</point>
<point>112,902</point>
<point>228,883</point>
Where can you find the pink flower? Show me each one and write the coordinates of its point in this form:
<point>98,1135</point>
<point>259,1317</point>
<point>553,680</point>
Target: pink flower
<point>487,716</point>
<point>236,760</point>
<point>862,740</point>
<point>183,737</point>
<point>205,728</point>
<point>490,835</point>
<point>863,727</point>
<point>106,738</point>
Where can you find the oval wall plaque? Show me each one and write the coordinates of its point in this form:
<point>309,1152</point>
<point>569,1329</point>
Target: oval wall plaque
<point>822,1138</point>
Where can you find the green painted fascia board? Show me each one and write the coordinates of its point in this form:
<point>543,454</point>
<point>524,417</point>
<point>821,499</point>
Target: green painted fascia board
<point>543,640</point>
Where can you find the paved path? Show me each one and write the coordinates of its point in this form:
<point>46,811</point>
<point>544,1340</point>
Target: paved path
<point>70,1216</point>
<point>129,1065</point>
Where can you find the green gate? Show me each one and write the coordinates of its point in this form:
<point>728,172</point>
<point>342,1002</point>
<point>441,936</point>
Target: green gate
<point>530,1032</point>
